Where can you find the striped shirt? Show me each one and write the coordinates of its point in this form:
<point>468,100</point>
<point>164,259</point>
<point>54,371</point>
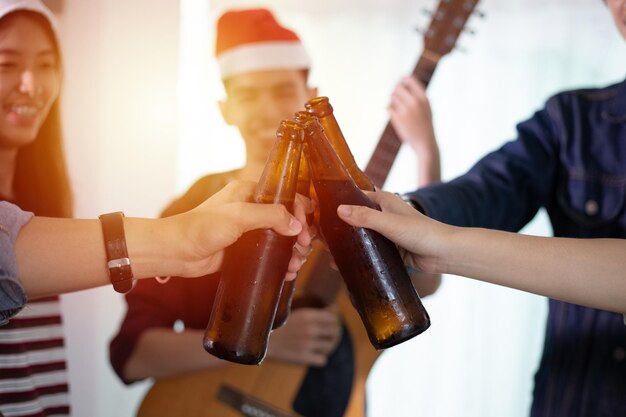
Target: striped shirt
<point>33,374</point>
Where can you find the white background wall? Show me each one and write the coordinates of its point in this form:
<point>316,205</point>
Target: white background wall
<point>120,118</point>
<point>129,149</point>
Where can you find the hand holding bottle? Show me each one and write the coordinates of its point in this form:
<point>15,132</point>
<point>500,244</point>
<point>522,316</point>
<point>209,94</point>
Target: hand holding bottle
<point>420,239</point>
<point>219,221</point>
<point>255,264</point>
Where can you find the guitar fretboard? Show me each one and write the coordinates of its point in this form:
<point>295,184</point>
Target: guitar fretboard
<point>385,153</point>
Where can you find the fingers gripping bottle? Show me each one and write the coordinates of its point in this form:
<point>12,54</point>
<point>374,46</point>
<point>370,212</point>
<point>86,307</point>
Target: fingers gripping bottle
<point>254,267</point>
<point>370,264</point>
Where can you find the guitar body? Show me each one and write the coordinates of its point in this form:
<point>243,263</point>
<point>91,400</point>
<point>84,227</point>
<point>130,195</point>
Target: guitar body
<point>197,394</point>
<point>269,390</point>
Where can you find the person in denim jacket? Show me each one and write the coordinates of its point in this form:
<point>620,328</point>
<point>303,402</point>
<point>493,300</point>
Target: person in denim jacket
<point>569,158</point>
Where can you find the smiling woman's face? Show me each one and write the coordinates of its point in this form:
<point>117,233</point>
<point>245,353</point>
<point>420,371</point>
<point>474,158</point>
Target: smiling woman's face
<point>29,78</point>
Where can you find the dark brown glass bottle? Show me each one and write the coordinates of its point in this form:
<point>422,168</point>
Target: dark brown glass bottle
<point>304,178</point>
<point>255,266</point>
<point>321,108</point>
<point>289,287</point>
<point>370,264</point>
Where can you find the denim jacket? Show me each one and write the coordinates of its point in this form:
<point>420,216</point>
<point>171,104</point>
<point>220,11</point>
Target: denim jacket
<point>569,158</point>
<point>12,295</point>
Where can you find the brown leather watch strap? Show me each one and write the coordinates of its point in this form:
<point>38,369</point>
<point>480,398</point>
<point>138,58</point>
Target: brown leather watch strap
<point>118,262</point>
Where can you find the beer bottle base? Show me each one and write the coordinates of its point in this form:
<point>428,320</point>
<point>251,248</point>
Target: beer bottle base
<point>244,358</point>
<point>400,337</point>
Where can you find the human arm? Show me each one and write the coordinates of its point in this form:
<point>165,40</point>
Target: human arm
<point>504,189</point>
<point>161,334</point>
<point>411,118</point>
<point>61,255</point>
<point>307,338</point>
<point>161,353</point>
<point>589,272</point>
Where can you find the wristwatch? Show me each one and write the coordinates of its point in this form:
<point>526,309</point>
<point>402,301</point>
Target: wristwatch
<point>118,261</point>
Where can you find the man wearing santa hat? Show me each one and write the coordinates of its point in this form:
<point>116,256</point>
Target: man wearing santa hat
<point>264,68</point>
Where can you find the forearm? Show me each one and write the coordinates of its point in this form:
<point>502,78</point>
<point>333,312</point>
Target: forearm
<point>429,164</point>
<point>161,353</point>
<point>63,255</point>
<point>588,272</point>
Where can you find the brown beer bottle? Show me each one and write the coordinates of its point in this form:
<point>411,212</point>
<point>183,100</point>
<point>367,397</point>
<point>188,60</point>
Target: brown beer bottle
<point>254,267</point>
<point>370,264</point>
<point>289,287</point>
<point>304,177</point>
<point>284,304</point>
<point>321,108</point>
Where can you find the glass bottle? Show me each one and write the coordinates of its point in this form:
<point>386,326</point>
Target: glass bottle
<point>289,287</point>
<point>254,267</point>
<point>370,264</point>
<point>321,108</point>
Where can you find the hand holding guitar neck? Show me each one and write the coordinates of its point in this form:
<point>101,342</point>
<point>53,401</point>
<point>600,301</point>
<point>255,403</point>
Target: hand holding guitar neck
<point>411,118</point>
<point>439,39</point>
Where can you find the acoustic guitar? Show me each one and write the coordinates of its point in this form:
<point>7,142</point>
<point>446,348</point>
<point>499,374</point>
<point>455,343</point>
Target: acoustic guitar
<point>269,390</point>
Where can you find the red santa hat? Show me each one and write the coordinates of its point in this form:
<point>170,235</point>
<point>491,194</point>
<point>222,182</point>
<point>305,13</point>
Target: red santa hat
<point>252,40</point>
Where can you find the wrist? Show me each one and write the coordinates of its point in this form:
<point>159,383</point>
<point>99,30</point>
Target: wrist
<point>151,248</point>
<point>118,262</point>
<point>452,249</point>
<point>426,151</point>
<point>436,245</point>
<point>423,143</point>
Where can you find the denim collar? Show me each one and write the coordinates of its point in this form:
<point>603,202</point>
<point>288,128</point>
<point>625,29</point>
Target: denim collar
<point>616,109</point>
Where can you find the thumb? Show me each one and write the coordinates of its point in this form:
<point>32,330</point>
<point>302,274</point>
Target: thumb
<point>387,224</point>
<point>268,216</point>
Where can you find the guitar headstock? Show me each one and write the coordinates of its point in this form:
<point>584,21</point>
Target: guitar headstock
<point>446,25</point>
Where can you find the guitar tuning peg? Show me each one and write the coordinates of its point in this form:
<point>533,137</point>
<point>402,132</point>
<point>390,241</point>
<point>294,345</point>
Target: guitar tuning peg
<point>460,49</point>
<point>469,31</point>
<point>427,12</point>
<point>478,13</point>
<point>419,30</point>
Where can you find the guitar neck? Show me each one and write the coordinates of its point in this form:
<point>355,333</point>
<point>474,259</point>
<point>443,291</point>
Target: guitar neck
<point>385,153</point>
<point>247,405</point>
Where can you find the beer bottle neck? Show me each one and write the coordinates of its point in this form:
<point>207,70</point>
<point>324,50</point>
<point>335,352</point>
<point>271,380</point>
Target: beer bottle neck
<point>338,141</point>
<point>280,176</point>
<point>321,107</point>
<point>323,162</point>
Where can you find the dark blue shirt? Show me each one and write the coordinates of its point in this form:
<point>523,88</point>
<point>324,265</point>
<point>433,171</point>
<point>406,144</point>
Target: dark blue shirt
<point>569,158</point>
